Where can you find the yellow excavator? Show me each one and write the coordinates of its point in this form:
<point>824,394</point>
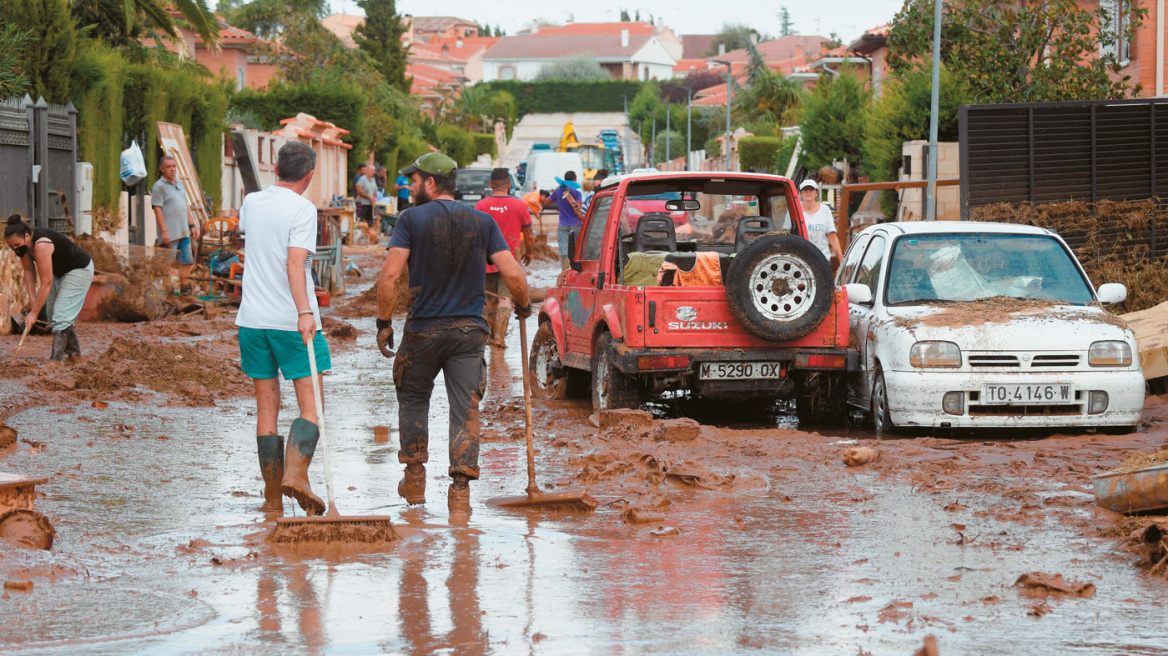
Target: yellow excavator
<point>594,156</point>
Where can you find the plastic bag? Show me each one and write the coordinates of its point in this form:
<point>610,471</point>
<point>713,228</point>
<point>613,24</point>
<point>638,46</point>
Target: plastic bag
<point>133,165</point>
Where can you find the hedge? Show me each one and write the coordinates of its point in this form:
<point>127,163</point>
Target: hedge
<point>758,153</point>
<point>342,104</point>
<point>456,143</point>
<point>563,96</point>
<point>484,143</point>
<point>118,102</point>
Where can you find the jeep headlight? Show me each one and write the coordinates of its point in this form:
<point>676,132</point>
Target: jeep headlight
<point>1109,354</point>
<point>932,355</point>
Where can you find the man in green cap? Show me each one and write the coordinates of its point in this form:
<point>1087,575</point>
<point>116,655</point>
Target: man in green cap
<point>445,244</point>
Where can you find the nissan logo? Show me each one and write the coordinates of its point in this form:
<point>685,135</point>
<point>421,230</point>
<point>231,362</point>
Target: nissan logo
<point>686,313</point>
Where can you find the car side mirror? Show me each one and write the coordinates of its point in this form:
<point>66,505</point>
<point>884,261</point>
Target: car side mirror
<point>1111,293</point>
<point>573,263</point>
<point>859,294</point>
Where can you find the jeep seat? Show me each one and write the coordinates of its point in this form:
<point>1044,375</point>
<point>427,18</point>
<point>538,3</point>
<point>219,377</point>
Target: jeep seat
<point>655,232</point>
<point>751,228</point>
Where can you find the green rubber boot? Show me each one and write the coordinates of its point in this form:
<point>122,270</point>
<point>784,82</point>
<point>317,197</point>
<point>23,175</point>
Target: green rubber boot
<point>271,451</point>
<point>302,439</point>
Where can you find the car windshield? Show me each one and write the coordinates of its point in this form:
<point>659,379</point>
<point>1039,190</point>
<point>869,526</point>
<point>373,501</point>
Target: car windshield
<point>968,267</point>
<point>473,179</point>
<point>722,206</point>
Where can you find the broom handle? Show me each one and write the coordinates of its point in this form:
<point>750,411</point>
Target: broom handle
<point>531,487</point>
<point>316,396</point>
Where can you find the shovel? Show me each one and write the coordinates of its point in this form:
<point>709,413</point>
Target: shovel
<point>27,329</point>
<point>566,500</point>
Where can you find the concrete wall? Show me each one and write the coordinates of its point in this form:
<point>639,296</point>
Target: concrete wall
<point>912,204</point>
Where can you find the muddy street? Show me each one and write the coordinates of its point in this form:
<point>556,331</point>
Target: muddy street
<point>728,535</point>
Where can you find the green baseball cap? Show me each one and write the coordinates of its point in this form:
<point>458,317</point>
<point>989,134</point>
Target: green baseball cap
<point>431,164</point>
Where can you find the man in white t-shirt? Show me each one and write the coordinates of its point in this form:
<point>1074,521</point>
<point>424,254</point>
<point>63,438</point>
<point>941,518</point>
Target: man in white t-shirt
<point>820,222</point>
<point>278,317</point>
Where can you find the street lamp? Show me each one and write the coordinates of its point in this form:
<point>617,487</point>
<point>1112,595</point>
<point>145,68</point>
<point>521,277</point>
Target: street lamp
<point>934,111</point>
<point>728,82</point>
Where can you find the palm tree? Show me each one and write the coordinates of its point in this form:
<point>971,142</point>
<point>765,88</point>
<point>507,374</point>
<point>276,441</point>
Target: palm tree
<point>124,21</point>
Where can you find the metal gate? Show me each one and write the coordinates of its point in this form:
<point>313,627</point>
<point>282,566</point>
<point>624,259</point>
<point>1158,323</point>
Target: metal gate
<point>38,157</point>
<point>1060,151</point>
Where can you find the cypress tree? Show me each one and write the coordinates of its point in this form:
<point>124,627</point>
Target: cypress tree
<point>379,36</point>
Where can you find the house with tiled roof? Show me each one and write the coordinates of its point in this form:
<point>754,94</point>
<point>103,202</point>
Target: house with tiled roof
<point>242,56</point>
<point>873,46</point>
<point>667,38</point>
<point>625,56</point>
<point>342,25</point>
<point>782,49</point>
<point>423,28</point>
<point>697,46</point>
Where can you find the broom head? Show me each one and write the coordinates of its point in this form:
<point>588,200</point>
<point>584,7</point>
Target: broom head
<point>369,529</point>
<point>566,500</point>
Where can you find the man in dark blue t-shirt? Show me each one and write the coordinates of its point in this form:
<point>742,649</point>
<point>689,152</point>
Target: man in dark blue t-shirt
<point>447,246</point>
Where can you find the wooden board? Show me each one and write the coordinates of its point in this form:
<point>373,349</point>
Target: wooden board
<point>1151,329</point>
<point>174,143</point>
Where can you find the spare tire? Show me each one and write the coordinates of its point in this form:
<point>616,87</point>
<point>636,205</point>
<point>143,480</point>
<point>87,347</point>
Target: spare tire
<point>779,287</point>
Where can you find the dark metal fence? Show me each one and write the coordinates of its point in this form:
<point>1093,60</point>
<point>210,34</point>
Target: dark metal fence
<point>1063,151</point>
<point>38,157</point>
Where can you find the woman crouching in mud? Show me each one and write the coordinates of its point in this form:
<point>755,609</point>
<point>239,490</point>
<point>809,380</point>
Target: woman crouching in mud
<point>57,275</point>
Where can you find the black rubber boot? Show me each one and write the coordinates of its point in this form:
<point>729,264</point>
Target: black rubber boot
<point>302,439</point>
<point>72,347</point>
<point>271,452</point>
<point>59,341</point>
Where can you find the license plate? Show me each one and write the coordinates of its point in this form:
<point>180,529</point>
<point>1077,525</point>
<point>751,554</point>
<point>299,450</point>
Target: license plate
<point>741,371</point>
<point>1028,394</point>
<point>472,196</point>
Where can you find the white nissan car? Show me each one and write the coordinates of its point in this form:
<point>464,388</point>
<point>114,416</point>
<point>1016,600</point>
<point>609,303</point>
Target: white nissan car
<point>966,324</point>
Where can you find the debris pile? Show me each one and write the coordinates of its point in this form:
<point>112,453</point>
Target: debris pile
<point>179,369</point>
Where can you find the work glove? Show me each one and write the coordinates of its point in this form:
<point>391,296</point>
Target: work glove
<point>385,338</point>
<point>523,311</point>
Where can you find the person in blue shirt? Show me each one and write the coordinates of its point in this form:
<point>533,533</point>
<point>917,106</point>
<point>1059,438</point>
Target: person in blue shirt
<point>568,199</point>
<point>401,187</point>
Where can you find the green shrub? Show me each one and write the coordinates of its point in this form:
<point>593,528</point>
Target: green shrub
<point>456,143</point>
<point>565,96</point>
<point>341,103</point>
<point>47,57</point>
<point>484,143</point>
<point>833,119</point>
<point>758,153</point>
<point>784,153</point>
<point>99,83</point>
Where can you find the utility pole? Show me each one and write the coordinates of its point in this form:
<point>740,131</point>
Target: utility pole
<point>628,131</point>
<point>729,80</point>
<point>668,111</point>
<point>688,126</point>
<point>934,110</point>
<point>653,144</point>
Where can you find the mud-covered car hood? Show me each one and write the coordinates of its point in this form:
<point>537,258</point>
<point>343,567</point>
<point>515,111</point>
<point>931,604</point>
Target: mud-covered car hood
<point>978,326</point>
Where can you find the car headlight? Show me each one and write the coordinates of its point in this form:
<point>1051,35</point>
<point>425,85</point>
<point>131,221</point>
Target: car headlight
<point>929,355</point>
<point>1109,354</point>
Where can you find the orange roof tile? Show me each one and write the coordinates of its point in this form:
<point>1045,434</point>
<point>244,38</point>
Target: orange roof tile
<point>599,28</point>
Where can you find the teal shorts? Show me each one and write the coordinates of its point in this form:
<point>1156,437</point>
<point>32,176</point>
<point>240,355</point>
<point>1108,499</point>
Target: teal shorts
<point>262,352</point>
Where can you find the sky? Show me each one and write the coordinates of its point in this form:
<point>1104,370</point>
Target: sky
<point>847,18</point>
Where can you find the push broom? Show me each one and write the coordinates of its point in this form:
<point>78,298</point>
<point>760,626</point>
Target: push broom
<point>565,500</point>
<point>332,526</point>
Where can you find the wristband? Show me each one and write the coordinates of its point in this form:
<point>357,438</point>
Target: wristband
<point>382,324</point>
<point>303,312</point>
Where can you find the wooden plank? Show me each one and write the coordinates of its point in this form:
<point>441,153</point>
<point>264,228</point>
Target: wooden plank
<point>1151,329</point>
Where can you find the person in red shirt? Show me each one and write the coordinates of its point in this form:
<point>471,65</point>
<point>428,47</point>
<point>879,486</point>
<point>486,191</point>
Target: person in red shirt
<point>514,219</point>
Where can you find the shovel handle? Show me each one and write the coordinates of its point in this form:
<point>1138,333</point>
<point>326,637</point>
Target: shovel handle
<point>27,329</point>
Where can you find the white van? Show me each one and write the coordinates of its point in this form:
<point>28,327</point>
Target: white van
<point>543,168</point>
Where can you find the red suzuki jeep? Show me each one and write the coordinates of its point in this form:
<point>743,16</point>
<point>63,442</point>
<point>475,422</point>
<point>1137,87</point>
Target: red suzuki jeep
<point>744,307</point>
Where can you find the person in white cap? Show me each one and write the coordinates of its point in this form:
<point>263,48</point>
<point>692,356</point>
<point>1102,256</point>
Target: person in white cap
<point>820,222</point>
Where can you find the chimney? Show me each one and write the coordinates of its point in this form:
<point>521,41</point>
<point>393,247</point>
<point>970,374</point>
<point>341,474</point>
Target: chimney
<point>721,48</point>
<point>624,38</point>
<point>534,27</point>
<point>458,43</point>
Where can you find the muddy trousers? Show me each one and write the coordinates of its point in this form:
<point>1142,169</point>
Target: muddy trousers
<point>458,354</point>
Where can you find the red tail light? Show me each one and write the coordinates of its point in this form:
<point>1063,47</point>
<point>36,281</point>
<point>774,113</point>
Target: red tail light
<point>663,362</point>
<point>821,361</point>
